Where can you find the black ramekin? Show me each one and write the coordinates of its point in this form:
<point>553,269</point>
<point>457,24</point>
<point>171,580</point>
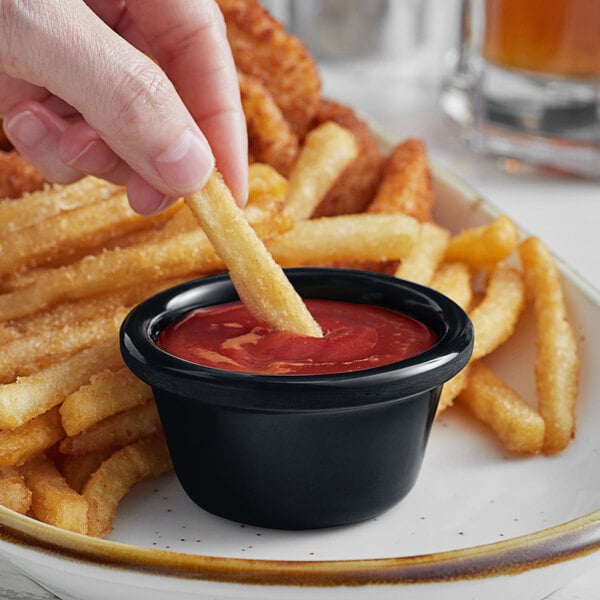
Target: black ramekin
<point>298,452</point>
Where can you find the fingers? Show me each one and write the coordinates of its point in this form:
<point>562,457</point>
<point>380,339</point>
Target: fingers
<point>123,95</point>
<point>189,41</point>
<point>35,132</point>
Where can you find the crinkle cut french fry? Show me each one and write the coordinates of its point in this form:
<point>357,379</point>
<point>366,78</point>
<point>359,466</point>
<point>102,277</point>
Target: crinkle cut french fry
<point>145,458</point>
<point>557,357</point>
<point>22,443</point>
<point>14,493</point>
<point>180,255</point>
<point>328,149</point>
<point>425,256</point>
<point>519,427</point>
<point>108,393</point>
<point>31,353</point>
<point>40,205</point>
<point>454,280</point>
<point>495,317</point>
<point>79,229</point>
<point>486,245</point>
<point>53,501</point>
<point>259,280</point>
<point>405,186</point>
<point>330,240</point>
<point>35,394</point>
<point>116,431</point>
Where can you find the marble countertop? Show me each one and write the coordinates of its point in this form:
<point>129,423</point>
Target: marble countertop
<point>564,212</point>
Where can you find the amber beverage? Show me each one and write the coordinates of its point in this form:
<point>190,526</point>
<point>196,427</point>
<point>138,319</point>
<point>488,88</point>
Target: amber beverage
<point>554,37</point>
<point>524,85</point>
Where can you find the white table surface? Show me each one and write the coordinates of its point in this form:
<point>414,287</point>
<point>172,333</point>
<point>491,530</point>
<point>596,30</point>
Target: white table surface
<point>565,213</point>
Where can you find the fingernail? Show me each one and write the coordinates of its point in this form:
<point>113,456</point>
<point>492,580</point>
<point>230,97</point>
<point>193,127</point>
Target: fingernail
<point>26,129</point>
<point>185,165</point>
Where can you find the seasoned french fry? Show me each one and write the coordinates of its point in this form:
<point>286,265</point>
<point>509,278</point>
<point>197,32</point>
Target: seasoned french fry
<point>264,180</point>
<point>330,240</point>
<point>53,501</point>
<point>454,280</point>
<point>452,388</point>
<point>557,357</point>
<point>148,457</point>
<point>108,393</point>
<point>405,186</point>
<point>35,394</point>
<point>27,354</point>
<point>79,229</point>
<point>19,445</point>
<point>78,468</point>
<point>519,427</point>
<point>495,317</point>
<point>328,149</point>
<point>37,206</point>
<point>17,175</point>
<point>259,281</point>
<point>486,245</point>
<point>116,431</point>
<point>177,256</point>
<point>14,493</point>
<point>425,256</point>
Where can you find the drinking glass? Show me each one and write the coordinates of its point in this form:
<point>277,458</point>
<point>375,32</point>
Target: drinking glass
<point>525,81</point>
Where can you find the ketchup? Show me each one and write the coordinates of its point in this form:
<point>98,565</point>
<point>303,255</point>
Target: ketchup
<point>355,337</point>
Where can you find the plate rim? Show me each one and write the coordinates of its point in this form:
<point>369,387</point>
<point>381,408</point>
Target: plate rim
<point>560,543</point>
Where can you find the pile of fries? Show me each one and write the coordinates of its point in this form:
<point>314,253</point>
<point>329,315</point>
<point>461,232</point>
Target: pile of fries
<point>77,429</point>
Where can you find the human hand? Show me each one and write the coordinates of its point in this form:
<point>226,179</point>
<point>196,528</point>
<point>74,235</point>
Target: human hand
<point>79,95</point>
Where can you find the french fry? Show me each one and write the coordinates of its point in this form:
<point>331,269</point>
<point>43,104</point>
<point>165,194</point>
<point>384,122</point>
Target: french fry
<point>35,394</point>
<point>557,358</point>
<point>519,427</point>
<point>452,388</point>
<point>67,233</point>
<point>454,280</point>
<point>108,393</point>
<point>30,353</point>
<point>37,206</point>
<point>330,240</point>
<point>53,501</point>
<point>17,175</point>
<point>264,180</point>
<point>19,445</point>
<point>486,245</point>
<point>328,149</point>
<point>422,261</point>
<point>78,468</point>
<point>405,186</point>
<point>116,431</point>
<point>259,281</point>
<point>495,317</point>
<point>177,256</point>
<point>354,189</point>
<point>146,458</point>
<point>14,493</point>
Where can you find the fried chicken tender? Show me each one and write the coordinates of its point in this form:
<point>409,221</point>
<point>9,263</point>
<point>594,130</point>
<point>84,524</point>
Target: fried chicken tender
<point>17,176</point>
<point>262,48</point>
<point>356,186</point>
<point>406,183</point>
<point>271,139</point>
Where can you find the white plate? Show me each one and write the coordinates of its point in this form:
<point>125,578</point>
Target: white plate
<point>478,524</point>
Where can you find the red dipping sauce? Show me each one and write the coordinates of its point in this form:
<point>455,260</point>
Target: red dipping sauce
<point>356,337</point>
